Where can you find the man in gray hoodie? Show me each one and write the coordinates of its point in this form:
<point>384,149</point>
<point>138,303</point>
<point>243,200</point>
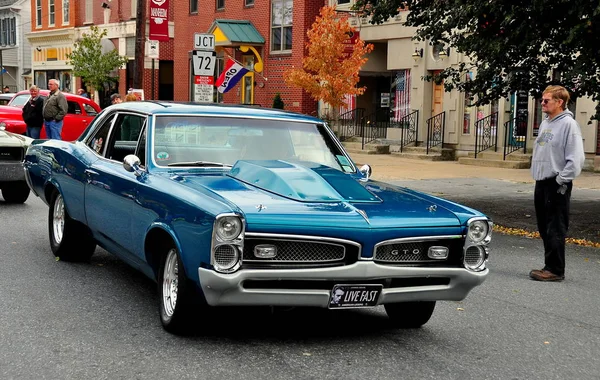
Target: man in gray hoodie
<point>558,157</point>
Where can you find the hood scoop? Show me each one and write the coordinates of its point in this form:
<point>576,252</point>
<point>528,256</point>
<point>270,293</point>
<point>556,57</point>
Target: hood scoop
<point>301,181</point>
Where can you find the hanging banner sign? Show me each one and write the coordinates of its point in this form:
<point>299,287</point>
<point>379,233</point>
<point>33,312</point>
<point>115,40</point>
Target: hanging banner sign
<point>159,20</point>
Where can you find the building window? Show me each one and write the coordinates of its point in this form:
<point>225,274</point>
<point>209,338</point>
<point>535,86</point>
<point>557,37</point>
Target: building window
<point>193,6</point>
<point>220,4</point>
<point>467,108</point>
<point>8,31</point>
<point>281,25</point>
<point>38,13</point>
<point>249,3</point>
<point>134,8</point>
<point>51,12</point>
<point>89,11</point>
<point>66,12</point>
<point>343,2</point>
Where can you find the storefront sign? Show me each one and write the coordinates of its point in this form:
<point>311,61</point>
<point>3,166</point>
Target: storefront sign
<point>159,20</point>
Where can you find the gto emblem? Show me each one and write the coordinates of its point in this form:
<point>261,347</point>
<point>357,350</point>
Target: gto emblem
<point>432,208</point>
<point>396,252</point>
<point>261,207</point>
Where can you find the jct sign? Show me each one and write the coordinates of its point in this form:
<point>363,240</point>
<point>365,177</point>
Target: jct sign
<point>159,20</point>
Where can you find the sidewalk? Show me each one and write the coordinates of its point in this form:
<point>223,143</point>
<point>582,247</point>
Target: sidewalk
<point>388,167</point>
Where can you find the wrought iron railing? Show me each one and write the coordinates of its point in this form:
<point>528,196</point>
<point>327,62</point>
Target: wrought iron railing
<point>375,126</point>
<point>409,125</point>
<point>486,133</point>
<point>435,130</point>
<point>350,124</point>
<point>515,134</point>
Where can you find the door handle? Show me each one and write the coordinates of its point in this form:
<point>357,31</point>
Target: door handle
<point>90,172</point>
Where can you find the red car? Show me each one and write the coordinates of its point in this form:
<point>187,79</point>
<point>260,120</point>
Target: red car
<point>80,113</point>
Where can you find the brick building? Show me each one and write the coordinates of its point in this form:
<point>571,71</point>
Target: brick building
<point>57,24</point>
<point>257,34</point>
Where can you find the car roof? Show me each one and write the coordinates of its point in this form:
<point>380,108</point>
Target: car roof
<point>177,107</point>
<point>46,92</point>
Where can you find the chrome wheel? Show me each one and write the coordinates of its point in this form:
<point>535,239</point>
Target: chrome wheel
<point>170,284</point>
<point>58,219</point>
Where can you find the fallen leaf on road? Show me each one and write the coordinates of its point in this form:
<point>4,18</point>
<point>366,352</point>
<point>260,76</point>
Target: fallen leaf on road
<point>536,235</point>
<point>57,258</point>
<point>586,259</point>
<point>460,309</point>
<point>306,354</point>
<point>546,342</point>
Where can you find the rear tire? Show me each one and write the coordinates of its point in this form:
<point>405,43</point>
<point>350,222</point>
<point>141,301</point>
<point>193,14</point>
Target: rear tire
<point>69,239</point>
<point>16,192</point>
<point>179,302</point>
<point>410,315</point>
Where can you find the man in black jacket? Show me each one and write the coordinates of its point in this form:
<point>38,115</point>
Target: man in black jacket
<point>32,113</point>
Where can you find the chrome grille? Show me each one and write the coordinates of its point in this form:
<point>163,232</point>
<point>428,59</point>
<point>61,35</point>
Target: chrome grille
<point>413,251</point>
<point>296,251</point>
<point>11,154</point>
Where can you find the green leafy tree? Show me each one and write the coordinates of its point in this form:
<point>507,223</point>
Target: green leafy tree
<point>278,102</point>
<point>90,63</point>
<point>509,45</point>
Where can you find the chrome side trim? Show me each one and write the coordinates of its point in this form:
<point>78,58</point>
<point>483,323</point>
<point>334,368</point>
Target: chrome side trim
<point>304,237</point>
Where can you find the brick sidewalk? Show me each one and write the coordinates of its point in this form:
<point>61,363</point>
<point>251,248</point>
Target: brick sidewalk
<point>388,167</point>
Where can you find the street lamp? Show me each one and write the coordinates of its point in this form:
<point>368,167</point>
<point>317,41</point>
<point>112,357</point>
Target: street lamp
<point>418,54</point>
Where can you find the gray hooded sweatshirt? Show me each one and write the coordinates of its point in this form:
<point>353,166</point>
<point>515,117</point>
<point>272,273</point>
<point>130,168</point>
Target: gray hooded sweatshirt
<point>558,150</point>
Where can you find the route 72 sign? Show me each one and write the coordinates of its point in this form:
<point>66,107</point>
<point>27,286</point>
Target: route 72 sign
<point>204,62</point>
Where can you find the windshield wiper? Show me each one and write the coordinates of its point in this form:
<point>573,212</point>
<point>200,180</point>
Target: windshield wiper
<point>201,164</point>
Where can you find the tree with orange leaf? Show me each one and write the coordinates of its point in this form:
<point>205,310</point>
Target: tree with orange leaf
<point>328,73</point>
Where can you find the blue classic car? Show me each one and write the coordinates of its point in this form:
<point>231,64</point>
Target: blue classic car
<point>232,205</point>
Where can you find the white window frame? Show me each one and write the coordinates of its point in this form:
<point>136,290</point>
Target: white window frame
<point>133,9</point>
<point>38,13</point>
<point>89,12</point>
<point>66,12</point>
<point>285,23</point>
<point>51,12</point>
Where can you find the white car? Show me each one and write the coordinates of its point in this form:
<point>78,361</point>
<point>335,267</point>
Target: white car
<point>12,177</point>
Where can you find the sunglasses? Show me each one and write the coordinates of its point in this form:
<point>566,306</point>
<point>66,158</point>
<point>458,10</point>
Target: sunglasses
<point>545,101</point>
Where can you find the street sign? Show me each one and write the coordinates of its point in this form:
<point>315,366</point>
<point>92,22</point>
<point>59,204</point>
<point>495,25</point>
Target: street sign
<point>204,89</point>
<point>204,62</point>
<point>152,49</point>
<point>204,41</point>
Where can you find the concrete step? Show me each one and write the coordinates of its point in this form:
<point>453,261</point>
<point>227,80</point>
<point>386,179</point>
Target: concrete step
<point>508,164</point>
<point>357,146</point>
<point>515,156</point>
<point>366,151</point>
<point>422,156</point>
<point>447,154</point>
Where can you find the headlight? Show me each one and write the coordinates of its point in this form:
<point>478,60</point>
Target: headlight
<point>478,231</point>
<point>228,228</point>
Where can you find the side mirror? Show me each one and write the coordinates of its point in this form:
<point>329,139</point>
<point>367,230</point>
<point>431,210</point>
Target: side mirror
<point>366,171</point>
<point>131,163</point>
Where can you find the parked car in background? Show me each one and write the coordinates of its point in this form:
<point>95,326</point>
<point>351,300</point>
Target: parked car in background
<point>5,98</point>
<point>12,178</point>
<point>81,111</point>
<point>236,206</point>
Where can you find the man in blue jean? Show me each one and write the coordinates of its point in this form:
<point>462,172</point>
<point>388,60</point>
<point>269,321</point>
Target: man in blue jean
<point>55,109</point>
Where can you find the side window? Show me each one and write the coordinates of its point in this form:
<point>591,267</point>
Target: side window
<point>98,141</point>
<point>89,110</point>
<point>125,135</point>
<point>74,108</point>
<point>141,149</point>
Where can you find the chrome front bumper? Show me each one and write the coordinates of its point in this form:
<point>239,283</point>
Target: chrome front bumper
<point>11,171</point>
<point>228,289</point>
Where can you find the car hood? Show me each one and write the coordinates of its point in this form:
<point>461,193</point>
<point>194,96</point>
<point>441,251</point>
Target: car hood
<point>10,111</point>
<point>11,140</point>
<point>308,194</point>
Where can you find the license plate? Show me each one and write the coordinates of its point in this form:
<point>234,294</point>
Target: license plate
<point>352,296</point>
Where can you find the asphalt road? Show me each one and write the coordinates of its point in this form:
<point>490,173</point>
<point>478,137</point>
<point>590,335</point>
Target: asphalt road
<point>99,320</point>
<point>510,204</point>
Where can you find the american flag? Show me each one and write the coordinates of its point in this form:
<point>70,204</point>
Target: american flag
<point>350,105</point>
<point>402,98</point>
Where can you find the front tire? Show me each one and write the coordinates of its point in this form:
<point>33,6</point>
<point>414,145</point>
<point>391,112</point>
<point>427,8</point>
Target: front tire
<point>409,315</point>
<point>178,299</point>
<point>69,239</point>
<point>16,192</point>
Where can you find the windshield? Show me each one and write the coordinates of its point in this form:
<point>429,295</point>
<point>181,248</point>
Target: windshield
<point>222,141</point>
<point>19,100</point>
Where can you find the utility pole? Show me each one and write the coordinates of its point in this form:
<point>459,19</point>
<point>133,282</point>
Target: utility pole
<point>140,31</point>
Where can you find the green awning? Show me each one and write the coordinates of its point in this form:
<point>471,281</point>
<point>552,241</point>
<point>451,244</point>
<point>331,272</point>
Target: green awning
<point>235,33</point>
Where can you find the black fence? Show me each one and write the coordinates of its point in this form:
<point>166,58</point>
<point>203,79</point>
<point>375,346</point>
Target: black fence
<point>435,130</point>
<point>486,133</point>
<point>409,125</point>
<point>515,134</point>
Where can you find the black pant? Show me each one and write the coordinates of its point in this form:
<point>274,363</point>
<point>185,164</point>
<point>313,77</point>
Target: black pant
<point>552,212</point>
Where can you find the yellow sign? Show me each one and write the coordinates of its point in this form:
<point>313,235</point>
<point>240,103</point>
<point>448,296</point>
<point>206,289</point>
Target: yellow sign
<point>51,54</point>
